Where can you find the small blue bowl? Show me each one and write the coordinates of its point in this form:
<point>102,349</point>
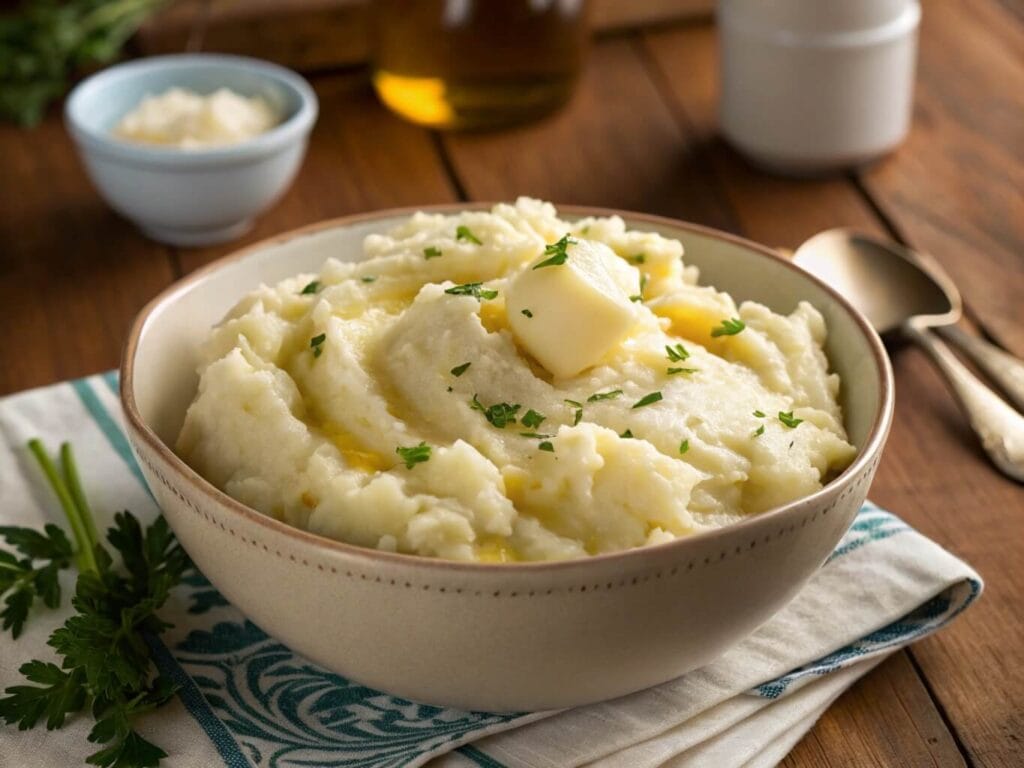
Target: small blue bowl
<point>200,196</point>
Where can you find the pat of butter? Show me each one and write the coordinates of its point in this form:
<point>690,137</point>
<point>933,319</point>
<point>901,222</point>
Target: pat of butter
<point>570,315</point>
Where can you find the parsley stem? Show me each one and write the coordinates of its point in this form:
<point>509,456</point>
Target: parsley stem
<point>74,484</point>
<point>86,557</point>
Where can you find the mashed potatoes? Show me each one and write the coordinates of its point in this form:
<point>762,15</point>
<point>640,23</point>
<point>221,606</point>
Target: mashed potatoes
<point>185,119</point>
<point>392,402</point>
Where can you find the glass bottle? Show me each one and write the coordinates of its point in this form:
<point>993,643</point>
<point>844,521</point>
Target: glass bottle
<point>476,63</point>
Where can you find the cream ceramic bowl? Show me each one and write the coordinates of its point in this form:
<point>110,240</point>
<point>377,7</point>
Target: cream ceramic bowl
<point>482,636</point>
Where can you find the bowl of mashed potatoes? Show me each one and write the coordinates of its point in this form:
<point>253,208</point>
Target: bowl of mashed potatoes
<point>509,458</point>
<point>192,147</point>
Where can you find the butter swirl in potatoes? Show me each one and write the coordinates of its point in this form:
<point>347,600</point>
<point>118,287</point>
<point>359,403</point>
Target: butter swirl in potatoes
<point>507,386</point>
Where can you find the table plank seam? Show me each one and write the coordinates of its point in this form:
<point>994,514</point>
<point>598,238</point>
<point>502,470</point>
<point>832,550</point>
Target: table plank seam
<point>943,714</point>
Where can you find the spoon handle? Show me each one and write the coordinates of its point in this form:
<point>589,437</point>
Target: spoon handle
<point>999,427</point>
<point>1003,368</point>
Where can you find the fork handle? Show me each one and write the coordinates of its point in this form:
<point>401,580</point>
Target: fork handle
<point>999,427</point>
<point>1003,368</point>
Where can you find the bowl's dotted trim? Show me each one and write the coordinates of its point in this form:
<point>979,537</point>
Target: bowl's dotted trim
<point>854,487</point>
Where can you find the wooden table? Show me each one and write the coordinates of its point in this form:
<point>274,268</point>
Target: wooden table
<point>640,134</point>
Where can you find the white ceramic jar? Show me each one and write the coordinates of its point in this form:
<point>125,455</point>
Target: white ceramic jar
<point>812,86</point>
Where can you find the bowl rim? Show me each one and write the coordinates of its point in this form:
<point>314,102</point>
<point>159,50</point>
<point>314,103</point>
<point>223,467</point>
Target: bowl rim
<point>873,444</point>
<point>281,135</point>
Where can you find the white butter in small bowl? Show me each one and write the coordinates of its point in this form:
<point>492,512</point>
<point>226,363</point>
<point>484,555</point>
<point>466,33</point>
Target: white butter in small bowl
<point>183,118</point>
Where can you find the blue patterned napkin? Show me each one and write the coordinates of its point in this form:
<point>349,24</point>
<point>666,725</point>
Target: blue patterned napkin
<point>247,700</point>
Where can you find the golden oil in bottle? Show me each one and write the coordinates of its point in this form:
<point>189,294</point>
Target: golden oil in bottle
<point>476,63</point>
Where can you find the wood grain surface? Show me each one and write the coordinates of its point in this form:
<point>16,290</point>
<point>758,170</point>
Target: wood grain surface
<point>641,134</point>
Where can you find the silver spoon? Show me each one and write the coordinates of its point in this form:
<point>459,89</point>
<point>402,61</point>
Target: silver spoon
<point>900,290</point>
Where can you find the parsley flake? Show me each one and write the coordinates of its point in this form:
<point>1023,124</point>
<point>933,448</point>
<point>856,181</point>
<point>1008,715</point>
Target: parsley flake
<point>674,371</point>
<point>643,285</point>
<point>414,454</point>
<point>472,289</point>
<point>557,252</point>
<point>316,344</point>
<point>532,419</point>
<point>684,447</point>
<point>638,258</point>
<point>313,287</point>
<point>760,431</point>
<point>579,411</point>
<point>676,353</point>
<point>431,252</point>
<point>458,370</point>
<point>499,415</point>
<point>598,396</point>
<point>728,328</point>
<point>527,312</point>
<point>536,435</point>
<point>787,418</point>
<point>546,446</point>
<point>369,278</point>
<point>648,399</point>
<point>462,233</point>
<point>759,414</point>
<point>627,434</point>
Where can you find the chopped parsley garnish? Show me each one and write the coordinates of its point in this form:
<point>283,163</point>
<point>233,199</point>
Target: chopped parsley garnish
<point>557,252</point>
<point>458,370</point>
<point>674,371</point>
<point>638,258</point>
<point>760,431</point>
<point>585,230</point>
<point>313,287</point>
<point>676,353</point>
<point>787,418</point>
<point>414,454</point>
<point>728,328</point>
<point>643,285</point>
<point>532,419</point>
<point>648,399</point>
<point>368,278</point>
<point>598,396</point>
<point>499,415</point>
<point>462,233</point>
<point>527,312</point>
<point>759,414</point>
<point>536,435</point>
<point>684,447</point>
<point>579,411</point>
<point>546,446</point>
<point>472,289</point>
<point>431,252</point>
<point>316,344</point>
<point>627,434</point>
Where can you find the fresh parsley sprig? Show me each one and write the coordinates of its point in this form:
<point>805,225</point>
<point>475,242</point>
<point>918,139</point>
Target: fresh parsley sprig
<point>476,290</point>
<point>24,579</point>
<point>499,415</point>
<point>106,666</point>
<point>729,327</point>
<point>557,253</point>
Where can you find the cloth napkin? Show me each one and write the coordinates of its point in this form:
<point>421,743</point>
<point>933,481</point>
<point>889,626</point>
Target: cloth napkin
<point>246,700</point>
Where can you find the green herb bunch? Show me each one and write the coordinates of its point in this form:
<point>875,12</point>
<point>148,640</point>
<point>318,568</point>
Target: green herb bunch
<point>45,41</point>
<point>104,647</point>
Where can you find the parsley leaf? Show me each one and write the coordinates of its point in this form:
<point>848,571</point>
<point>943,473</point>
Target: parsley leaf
<point>684,447</point>
<point>527,312</point>
<point>643,285</point>
<point>499,415</point>
<point>472,289</point>
<point>789,420</point>
<point>462,233</point>
<point>598,396</point>
<point>316,344</point>
<point>638,258</point>
<point>627,434</point>
<point>676,353</point>
<point>557,252</point>
<point>414,454</point>
<point>431,252</point>
<point>458,370</point>
<point>759,414</point>
<point>368,278</point>
<point>547,446</point>
<point>313,287</point>
<point>532,419</point>
<point>674,371</point>
<point>648,399</point>
<point>23,580</point>
<point>760,431</point>
<point>579,411</point>
<point>728,328</point>
<point>535,435</point>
